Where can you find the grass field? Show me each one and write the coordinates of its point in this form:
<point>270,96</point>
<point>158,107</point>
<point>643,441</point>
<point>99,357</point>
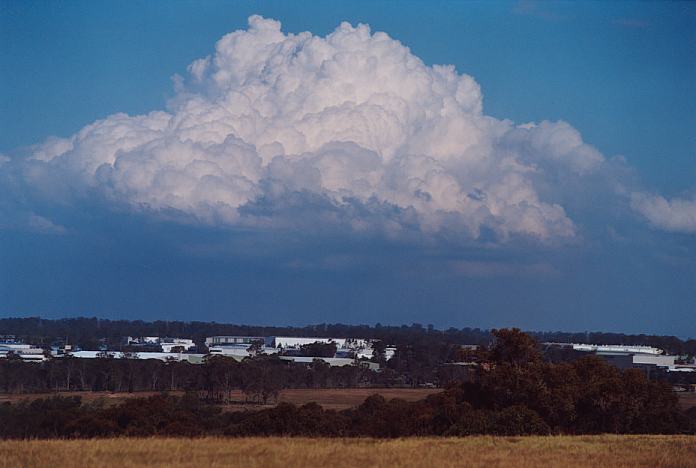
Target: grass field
<point>329,398</point>
<point>580,451</point>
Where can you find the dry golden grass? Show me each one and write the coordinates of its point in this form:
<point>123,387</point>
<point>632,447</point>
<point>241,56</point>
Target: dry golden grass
<point>581,451</point>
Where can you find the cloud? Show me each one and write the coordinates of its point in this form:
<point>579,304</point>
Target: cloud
<point>46,226</point>
<point>27,221</point>
<point>676,215</point>
<point>300,131</point>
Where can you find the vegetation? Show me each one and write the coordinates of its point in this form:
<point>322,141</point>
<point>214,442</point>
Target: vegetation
<point>318,349</point>
<point>90,333</point>
<point>424,356</point>
<point>327,398</point>
<point>259,378</point>
<point>523,452</point>
<point>513,392</point>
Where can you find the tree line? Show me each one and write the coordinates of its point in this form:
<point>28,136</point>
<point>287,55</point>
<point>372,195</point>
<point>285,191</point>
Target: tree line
<point>216,378</point>
<point>513,392</point>
<point>421,363</point>
<point>91,333</point>
<point>260,378</point>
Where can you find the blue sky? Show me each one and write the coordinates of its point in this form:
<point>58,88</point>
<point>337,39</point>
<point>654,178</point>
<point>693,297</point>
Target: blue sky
<point>621,73</point>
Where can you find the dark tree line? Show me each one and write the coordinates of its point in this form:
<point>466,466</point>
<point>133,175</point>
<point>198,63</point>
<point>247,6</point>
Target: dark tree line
<point>424,362</point>
<point>219,375</point>
<point>87,333</point>
<point>514,392</point>
<point>261,377</point>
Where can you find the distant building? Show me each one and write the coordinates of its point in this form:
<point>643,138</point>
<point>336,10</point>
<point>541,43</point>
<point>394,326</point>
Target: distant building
<point>295,341</point>
<point>346,348</point>
<point>618,349</point>
<point>153,343</point>
<point>646,358</point>
<point>25,352</point>
<point>168,344</point>
<point>238,352</point>
<point>333,362</point>
<point>232,340</point>
<point>593,348</point>
<point>192,358</point>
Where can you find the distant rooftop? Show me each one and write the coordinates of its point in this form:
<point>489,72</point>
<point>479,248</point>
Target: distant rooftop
<point>622,349</point>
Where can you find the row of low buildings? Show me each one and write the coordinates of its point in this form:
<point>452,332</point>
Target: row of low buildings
<point>647,358</point>
<point>168,345</point>
<point>349,351</point>
<point>291,346</point>
<point>193,358</point>
<point>171,349</point>
<point>25,352</point>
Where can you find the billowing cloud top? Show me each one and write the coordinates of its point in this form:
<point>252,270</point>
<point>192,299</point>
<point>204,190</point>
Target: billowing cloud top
<point>351,127</point>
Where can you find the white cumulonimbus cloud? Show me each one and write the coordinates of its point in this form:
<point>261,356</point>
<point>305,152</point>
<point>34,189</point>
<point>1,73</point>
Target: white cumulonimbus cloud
<point>676,215</point>
<point>350,119</point>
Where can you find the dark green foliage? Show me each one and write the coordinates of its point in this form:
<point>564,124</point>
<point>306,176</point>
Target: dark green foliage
<point>260,378</point>
<point>318,349</point>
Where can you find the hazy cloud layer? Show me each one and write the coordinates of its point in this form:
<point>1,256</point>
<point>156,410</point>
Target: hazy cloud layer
<point>350,129</point>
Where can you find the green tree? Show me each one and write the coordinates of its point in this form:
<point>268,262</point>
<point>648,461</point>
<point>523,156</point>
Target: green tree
<point>318,349</point>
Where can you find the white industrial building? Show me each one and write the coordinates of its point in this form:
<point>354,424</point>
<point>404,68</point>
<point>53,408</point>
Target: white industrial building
<point>25,352</point>
<point>238,352</point>
<point>237,346</point>
<point>629,356</point>
<point>346,348</point>
<point>623,349</point>
<point>232,340</point>
<point>192,358</point>
<point>166,343</point>
<point>663,360</point>
<point>333,362</point>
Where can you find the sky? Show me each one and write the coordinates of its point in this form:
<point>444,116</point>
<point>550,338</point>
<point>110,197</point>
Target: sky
<point>481,164</point>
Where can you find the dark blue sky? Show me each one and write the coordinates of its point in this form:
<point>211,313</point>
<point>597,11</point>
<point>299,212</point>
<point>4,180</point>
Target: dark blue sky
<point>622,74</point>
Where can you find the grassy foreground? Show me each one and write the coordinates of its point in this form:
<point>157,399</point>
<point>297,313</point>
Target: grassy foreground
<point>606,451</point>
